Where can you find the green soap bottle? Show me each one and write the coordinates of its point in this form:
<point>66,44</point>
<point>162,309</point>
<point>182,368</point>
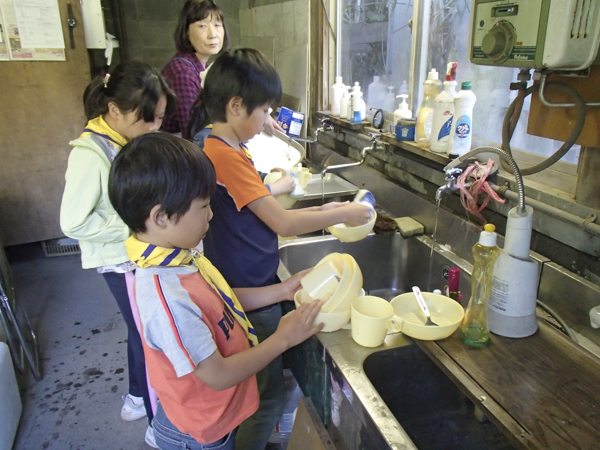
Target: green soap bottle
<point>473,330</point>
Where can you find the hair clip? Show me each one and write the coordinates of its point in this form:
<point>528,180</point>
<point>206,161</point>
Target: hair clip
<point>203,76</point>
<point>106,77</point>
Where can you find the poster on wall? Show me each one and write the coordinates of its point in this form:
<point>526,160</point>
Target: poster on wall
<point>32,29</point>
<point>4,55</point>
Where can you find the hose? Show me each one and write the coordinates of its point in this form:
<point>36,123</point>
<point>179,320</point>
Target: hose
<point>556,317</point>
<point>509,120</point>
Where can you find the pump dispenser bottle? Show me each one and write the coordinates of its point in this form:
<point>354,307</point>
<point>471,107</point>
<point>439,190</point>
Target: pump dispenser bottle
<point>337,90</point>
<point>432,88</point>
<point>402,112</point>
<point>473,330</point>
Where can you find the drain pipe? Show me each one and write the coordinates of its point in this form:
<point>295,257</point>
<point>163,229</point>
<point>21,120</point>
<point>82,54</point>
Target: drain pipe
<point>586,224</point>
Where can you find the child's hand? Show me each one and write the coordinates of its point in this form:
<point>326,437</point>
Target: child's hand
<point>292,284</point>
<point>283,185</point>
<point>296,326</point>
<point>357,214</point>
<point>277,169</point>
<point>273,125</point>
<point>332,205</point>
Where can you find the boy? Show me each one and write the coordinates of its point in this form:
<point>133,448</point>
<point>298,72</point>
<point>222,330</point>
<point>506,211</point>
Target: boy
<point>201,350</point>
<point>237,92</point>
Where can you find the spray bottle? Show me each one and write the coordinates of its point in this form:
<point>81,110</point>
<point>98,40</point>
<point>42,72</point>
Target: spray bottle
<point>432,88</point>
<point>443,111</point>
<point>473,330</point>
<point>355,117</point>
<point>344,103</point>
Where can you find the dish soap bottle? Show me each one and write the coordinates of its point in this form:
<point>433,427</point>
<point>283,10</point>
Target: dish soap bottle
<point>473,330</point>
<point>402,112</point>
<point>337,91</point>
<point>432,88</point>
<point>462,124</point>
<point>443,111</point>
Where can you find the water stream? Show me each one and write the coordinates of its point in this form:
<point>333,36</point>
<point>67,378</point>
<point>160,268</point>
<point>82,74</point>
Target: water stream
<point>435,222</point>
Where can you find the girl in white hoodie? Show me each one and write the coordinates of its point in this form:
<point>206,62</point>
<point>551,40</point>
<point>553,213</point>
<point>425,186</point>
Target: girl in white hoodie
<point>131,101</point>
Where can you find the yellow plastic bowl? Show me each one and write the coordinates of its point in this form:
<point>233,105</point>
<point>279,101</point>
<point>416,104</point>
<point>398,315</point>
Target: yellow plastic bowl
<point>350,285</point>
<point>331,321</point>
<point>352,234</point>
<point>283,199</point>
<point>445,312</point>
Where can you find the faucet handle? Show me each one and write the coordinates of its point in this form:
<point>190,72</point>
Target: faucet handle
<point>453,171</point>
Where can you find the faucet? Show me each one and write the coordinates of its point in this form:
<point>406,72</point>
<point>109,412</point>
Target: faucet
<point>452,171</point>
<point>450,185</point>
<point>326,125</point>
<point>363,155</point>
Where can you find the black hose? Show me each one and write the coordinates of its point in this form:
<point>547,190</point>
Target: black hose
<point>579,106</point>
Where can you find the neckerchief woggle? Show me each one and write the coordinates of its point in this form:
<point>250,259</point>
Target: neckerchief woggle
<point>146,255</point>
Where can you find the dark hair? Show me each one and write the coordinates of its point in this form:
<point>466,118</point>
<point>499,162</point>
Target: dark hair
<point>242,72</point>
<point>193,11</point>
<point>132,86</point>
<point>158,169</point>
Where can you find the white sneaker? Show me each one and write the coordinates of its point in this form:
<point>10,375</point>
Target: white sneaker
<point>133,408</point>
<point>149,438</point>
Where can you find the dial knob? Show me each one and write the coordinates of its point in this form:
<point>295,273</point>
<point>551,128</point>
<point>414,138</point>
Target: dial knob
<point>498,43</point>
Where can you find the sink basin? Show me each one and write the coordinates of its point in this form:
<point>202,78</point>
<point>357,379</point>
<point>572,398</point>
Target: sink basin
<point>430,408</point>
<point>390,264</point>
<point>335,187</point>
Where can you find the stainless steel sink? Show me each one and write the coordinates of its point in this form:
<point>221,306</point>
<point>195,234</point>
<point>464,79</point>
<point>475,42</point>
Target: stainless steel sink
<point>393,395</point>
<point>430,408</point>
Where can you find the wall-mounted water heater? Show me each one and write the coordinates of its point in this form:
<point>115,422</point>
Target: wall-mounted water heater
<point>535,34</point>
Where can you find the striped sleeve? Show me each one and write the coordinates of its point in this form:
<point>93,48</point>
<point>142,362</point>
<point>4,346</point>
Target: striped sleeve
<point>165,310</point>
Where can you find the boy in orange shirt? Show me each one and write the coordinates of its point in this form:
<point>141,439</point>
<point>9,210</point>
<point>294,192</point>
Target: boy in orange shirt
<point>201,350</point>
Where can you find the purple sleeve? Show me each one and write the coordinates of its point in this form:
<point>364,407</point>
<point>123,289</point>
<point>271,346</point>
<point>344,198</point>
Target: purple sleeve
<point>185,82</point>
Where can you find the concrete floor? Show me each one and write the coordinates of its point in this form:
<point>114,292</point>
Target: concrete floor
<point>83,351</point>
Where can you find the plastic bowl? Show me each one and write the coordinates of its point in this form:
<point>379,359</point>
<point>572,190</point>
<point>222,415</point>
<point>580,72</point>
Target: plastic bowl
<point>283,199</point>
<point>352,234</point>
<point>331,321</point>
<point>445,312</point>
<point>350,285</point>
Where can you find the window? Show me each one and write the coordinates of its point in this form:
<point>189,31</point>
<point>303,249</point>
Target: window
<point>375,41</point>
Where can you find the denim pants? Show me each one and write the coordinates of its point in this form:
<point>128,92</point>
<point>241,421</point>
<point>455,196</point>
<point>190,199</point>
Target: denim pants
<point>168,437</point>
<point>138,385</point>
<point>254,432</point>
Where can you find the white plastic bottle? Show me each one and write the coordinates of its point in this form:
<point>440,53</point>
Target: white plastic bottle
<point>462,123</point>
<point>402,112</point>
<point>376,93</point>
<point>363,108</point>
<point>344,102</point>
<point>443,111</point>
<point>355,117</point>
<point>390,99</point>
<point>337,90</point>
<point>432,88</point>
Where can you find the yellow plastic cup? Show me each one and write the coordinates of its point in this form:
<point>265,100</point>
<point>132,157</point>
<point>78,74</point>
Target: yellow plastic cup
<point>372,317</point>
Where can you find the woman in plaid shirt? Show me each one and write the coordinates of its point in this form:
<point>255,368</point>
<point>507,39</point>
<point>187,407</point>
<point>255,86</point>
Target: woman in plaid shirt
<point>200,33</point>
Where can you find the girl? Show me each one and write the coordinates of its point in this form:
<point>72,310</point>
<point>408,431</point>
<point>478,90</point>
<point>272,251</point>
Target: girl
<point>131,101</point>
<point>239,88</point>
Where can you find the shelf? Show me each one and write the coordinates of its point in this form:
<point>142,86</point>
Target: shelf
<point>344,122</point>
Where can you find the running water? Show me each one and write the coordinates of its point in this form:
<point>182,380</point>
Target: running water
<point>435,222</point>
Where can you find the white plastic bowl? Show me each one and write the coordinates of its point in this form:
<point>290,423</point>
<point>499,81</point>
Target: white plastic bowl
<point>331,321</point>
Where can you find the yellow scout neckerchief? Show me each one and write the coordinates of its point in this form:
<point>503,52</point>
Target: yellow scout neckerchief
<point>99,127</point>
<point>147,255</point>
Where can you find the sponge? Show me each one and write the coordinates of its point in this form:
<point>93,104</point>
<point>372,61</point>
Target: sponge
<point>409,226</point>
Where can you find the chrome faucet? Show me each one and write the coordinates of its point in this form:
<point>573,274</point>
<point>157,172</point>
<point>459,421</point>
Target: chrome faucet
<point>363,156</point>
<point>326,125</point>
<point>451,169</point>
<point>452,175</point>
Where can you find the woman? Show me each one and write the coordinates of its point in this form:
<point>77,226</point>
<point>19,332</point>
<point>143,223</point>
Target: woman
<point>200,34</point>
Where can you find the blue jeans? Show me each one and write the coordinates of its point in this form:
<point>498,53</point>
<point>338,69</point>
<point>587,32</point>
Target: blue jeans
<point>168,437</point>
<point>138,385</point>
<point>255,431</point>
